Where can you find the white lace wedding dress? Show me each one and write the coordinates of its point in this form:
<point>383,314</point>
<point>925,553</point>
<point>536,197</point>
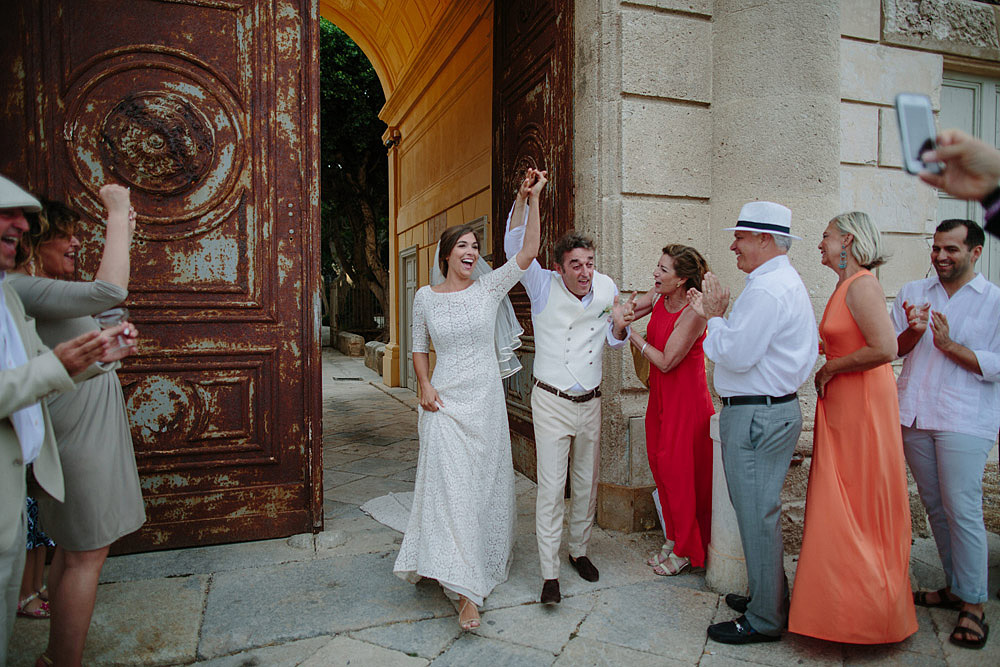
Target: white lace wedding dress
<point>461,526</point>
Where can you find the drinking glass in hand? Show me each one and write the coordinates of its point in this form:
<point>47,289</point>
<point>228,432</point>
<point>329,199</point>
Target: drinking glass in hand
<point>113,317</point>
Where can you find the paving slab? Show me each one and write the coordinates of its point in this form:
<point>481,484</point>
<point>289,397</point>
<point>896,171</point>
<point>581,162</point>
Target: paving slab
<point>426,639</point>
<point>202,560</point>
<point>301,600</point>
<point>334,478</point>
<point>470,649</point>
<point>546,627</point>
<point>361,491</point>
<point>361,534</point>
<point>343,651</point>
<point>584,652</point>
<point>378,467</point>
<point>153,622</point>
<point>666,620</point>
<point>290,654</point>
<point>888,656</point>
<point>944,622</point>
<point>791,650</point>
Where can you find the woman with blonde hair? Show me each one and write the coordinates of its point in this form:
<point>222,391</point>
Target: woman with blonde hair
<point>853,581</point>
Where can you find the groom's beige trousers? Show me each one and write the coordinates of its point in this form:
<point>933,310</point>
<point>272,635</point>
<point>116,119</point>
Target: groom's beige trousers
<point>565,433</point>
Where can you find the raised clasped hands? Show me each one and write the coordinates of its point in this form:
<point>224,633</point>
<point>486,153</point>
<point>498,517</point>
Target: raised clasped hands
<point>712,300</point>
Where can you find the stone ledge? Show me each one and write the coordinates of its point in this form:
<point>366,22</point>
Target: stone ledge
<point>350,344</point>
<point>374,353</point>
<point>628,509</point>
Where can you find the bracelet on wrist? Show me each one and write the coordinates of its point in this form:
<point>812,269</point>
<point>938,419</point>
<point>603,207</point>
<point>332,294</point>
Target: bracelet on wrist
<point>642,351</point>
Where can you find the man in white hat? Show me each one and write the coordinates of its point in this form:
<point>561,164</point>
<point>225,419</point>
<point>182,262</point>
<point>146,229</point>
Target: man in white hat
<point>763,352</point>
<point>29,373</point>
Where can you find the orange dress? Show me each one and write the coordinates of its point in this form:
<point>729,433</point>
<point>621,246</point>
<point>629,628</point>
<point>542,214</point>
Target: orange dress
<point>853,583</point>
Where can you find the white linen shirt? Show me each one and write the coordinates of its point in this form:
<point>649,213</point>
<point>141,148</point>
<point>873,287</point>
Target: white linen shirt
<point>28,422</point>
<point>936,393</point>
<point>769,343</point>
<point>538,282</point>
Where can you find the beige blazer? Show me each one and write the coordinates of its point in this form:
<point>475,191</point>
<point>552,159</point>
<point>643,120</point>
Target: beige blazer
<point>41,377</point>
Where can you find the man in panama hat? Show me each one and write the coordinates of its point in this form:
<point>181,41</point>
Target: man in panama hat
<point>763,352</point>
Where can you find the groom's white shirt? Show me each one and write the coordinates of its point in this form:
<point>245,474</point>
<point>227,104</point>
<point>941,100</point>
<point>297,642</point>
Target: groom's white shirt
<point>538,284</point>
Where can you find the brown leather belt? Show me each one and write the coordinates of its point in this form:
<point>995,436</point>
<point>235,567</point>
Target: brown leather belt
<point>577,398</point>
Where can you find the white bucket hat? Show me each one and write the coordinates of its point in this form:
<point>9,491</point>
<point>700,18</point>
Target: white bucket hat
<point>765,217</point>
<point>13,196</point>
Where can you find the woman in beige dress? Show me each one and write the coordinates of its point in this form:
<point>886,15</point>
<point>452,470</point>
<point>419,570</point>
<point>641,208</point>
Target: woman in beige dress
<point>103,498</point>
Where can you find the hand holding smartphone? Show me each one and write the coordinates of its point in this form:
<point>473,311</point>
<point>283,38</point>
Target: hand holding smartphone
<point>917,133</point>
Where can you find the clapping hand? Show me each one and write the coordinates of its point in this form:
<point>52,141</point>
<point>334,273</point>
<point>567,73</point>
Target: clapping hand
<point>942,332</point>
<point>917,316</point>
<point>524,189</point>
<point>622,314</point>
<point>541,178</point>
<point>712,300</point>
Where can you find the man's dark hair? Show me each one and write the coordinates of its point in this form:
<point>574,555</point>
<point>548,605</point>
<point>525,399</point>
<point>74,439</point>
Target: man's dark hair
<point>571,241</point>
<point>973,233</point>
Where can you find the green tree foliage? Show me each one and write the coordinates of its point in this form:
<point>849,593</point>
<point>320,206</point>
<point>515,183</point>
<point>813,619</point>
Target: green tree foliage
<point>354,174</point>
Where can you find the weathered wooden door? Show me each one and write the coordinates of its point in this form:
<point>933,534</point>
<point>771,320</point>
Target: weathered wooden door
<point>207,110</point>
<point>533,126</point>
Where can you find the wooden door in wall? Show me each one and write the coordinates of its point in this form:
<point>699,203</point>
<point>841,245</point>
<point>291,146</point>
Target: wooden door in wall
<point>207,110</point>
<point>532,127</point>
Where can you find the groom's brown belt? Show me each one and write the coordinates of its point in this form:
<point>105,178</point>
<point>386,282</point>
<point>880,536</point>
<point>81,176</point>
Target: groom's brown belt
<point>758,400</point>
<point>576,398</point>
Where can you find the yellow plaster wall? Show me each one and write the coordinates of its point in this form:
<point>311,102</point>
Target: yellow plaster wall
<point>435,61</point>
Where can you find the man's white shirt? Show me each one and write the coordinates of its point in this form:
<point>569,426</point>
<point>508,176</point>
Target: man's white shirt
<point>538,283</point>
<point>769,343</point>
<point>936,393</point>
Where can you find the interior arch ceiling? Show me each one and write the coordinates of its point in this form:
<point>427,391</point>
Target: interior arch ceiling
<point>390,32</point>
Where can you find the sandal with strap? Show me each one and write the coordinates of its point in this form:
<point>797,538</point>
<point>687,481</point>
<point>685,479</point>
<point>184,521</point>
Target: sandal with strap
<point>662,555</point>
<point>674,565</point>
<point>943,601</point>
<point>42,611</point>
<point>978,636</point>
<point>44,661</point>
<point>467,621</point>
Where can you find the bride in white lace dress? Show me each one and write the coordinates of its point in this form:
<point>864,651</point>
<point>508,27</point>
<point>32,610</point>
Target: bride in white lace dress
<point>461,526</point>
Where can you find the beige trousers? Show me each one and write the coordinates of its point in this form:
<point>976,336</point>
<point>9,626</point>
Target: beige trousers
<point>11,568</point>
<point>567,435</point>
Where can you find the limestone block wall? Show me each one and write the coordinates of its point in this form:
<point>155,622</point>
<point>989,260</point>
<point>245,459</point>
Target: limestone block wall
<point>643,166</point>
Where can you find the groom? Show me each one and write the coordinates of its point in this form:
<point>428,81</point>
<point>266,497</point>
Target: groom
<point>574,310</point>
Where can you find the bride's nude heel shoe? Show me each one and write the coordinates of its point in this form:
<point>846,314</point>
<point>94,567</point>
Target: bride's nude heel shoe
<point>467,621</point>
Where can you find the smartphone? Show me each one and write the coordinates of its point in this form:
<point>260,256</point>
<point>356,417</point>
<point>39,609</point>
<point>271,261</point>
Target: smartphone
<point>916,131</point>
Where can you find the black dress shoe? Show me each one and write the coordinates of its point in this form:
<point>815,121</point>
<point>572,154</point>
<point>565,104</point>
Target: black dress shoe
<point>738,602</point>
<point>738,632</point>
<point>550,592</point>
<point>585,568</point>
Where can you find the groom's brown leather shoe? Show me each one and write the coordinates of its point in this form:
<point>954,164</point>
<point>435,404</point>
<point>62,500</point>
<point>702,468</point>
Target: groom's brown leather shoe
<point>550,592</point>
<point>586,569</point>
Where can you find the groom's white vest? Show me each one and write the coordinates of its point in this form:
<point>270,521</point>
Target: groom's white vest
<point>569,339</point>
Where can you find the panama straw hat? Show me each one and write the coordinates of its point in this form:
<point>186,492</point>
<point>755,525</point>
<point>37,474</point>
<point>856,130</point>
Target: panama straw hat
<point>13,196</point>
<point>765,217</point>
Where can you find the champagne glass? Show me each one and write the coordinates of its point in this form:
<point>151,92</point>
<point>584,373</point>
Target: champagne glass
<point>113,317</point>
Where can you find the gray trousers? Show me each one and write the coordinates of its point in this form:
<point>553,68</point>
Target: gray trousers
<point>757,446</point>
<point>948,469</point>
<point>11,567</point>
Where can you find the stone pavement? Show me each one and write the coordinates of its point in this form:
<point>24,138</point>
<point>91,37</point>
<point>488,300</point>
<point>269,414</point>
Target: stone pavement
<point>331,598</point>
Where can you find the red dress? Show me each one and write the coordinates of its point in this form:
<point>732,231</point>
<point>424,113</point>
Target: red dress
<point>678,442</point>
<point>853,579</point>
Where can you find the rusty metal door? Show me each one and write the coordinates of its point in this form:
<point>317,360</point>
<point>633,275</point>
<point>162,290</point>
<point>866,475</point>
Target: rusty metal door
<point>532,126</point>
<point>207,110</point>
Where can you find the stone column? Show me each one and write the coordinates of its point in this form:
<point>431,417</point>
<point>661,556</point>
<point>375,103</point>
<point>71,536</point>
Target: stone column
<point>776,123</point>
<point>727,568</point>
<point>776,136</point>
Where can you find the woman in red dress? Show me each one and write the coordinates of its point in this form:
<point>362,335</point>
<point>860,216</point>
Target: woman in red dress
<point>677,417</point>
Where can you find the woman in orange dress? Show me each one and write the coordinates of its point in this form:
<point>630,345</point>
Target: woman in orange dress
<point>853,582</point>
<point>678,443</point>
